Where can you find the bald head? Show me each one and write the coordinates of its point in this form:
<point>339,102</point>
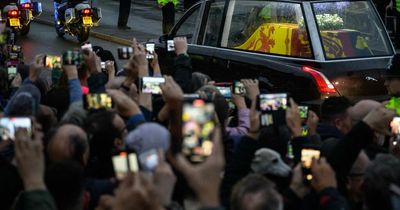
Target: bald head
<point>69,142</point>
<point>362,108</point>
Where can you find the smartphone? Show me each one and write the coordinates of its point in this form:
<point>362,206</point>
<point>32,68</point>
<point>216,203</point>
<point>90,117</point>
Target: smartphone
<point>120,164</point>
<point>13,56</point>
<point>198,124</point>
<point>103,66</point>
<point>170,45</point>
<point>272,102</point>
<point>225,91</point>
<point>266,119</point>
<point>53,61</point>
<point>11,71</point>
<point>125,53</point>
<point>87,46</point>
<point>303,111</point>
<point>191,96</point>
<point>238,88</point>
<point>150,48</point>
<point>151,85</point>
<point>149,160</point>
<point>72,57</point>
<point>307,154</point>
<point>8,126</point>
<point>16,49</point>
<point>123,163</point>
<point>96,101</point>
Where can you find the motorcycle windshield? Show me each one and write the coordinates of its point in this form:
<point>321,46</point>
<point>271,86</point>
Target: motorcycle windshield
<point>24,1</point>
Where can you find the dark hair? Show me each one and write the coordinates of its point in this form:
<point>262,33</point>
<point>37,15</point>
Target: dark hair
<point>221,106</point>
<point>65,182</point>
<point>275,138</point>
<point>256,183</point>
<point>334,107</point>
<point>3,82</point>
<point>102,133</point>
<point>198,80</point>
<point>384,171</point>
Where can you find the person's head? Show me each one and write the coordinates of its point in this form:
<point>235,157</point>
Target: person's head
<point>47,117</point>
<point>106,130</point>
<point>360,110</point>
<point>355,177</point>
<point>67,142</point>
<point>392,77</point>
<point>380,175</point>
<point>334,111</point>
<point>44,81</point>
<point>275,138</point>
<point>255,192</point>
<point>65,182</point>
<point>148,136</point>
<point>25,102</point>
<point>220,104</point>
<point>199,80</point>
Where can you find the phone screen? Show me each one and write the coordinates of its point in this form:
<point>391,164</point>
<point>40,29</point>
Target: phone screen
<point>120,163</point>
<point>238,88</point>
<point>133,162</point>
<point>150,48</point>
<point>170,45</point>
<point>152,85</point>
<point>306,159</point>
<point>123,163</point>
<point>103,66</point>
<point>72,58</point>
<point>303,111</point>
<point>95,101</point>
<point>198,124</point>
<point>272,102</point>
<point>53,61</point>
<point>12,71</point>
<point>225,91</point>
<point>266,119</point>
<point>149,160</point>
<point>124,53</point>
<point>8,127</point>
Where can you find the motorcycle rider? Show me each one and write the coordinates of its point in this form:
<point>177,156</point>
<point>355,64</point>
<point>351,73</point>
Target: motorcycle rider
<point>59,8</point>
<point>7,2</point>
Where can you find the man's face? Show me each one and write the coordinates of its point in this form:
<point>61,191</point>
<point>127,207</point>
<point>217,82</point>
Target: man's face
<point>393,86</point>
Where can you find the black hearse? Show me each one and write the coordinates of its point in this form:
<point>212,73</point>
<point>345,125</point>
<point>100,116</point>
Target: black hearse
<point>310,49</point>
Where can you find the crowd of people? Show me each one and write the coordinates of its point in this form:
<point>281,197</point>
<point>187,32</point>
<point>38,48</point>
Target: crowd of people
<point>66,159</point>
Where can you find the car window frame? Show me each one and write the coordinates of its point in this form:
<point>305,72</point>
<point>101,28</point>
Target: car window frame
<point>229,9</point>
<point>387,39</point>
<point>207,9</point>
<point>194,39</point>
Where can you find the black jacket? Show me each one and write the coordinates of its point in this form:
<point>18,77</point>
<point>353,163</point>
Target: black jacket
<point>183,72</point>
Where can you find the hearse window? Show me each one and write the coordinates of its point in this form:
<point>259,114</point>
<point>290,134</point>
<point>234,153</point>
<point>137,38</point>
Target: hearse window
<point>188,27</point>
<point>350,30</point>
<point>268,27</point>
<point>214,21</point>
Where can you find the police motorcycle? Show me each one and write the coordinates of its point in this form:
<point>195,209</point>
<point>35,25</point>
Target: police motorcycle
<point>75,18</point>
<point>19,15</point>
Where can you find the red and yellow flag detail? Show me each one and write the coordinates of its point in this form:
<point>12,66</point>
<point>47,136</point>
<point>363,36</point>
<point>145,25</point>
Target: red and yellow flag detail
<point>282,38</point>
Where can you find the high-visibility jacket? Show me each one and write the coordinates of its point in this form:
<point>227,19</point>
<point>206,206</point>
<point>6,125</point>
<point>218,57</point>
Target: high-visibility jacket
<point>394,103</point>
<point>164,2</point>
